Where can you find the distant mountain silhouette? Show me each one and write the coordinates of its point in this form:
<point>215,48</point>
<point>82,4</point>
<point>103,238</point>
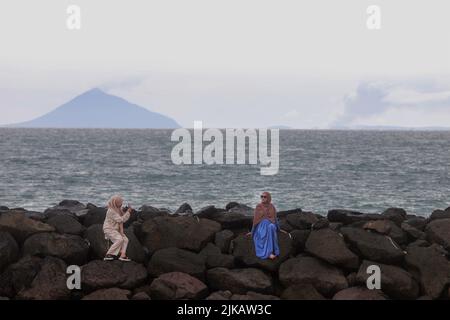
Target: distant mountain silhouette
<point>97,109</point>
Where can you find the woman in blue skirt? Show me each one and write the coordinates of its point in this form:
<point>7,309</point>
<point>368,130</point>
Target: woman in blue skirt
<point>265,227</point>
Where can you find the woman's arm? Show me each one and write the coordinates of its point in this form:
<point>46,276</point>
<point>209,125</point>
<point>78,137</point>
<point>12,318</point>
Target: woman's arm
<point>118,218</point>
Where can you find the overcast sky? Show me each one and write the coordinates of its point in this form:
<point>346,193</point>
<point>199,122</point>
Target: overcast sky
<point>233,63</point>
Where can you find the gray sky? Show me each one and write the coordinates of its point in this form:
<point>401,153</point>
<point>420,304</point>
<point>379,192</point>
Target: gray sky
<point>243,63</point>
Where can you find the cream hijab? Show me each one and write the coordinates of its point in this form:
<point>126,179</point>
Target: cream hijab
<point>115,203</point>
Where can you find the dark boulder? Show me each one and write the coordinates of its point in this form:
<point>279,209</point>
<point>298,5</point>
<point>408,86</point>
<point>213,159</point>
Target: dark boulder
<point>209,212</point>
<point>19,276</point>
<point>214,257</point>
<point>359,293</point>
<point>220,260</point>
<point>302,292</point>
<point>99,274</point>
<point>242,209</point>
<point>94,215</point>
<point>184,209</point>
<point>148,212</point>
<point>108,294</point>
<point>66,224</point>
<point>395,282</point>
<point>412,232</point>
<point>321,224</point>
<point>184,232</point>
<point>301,221</point>
<point>330,246</point>
<point>432,267</point>
<point>177,286</point>
<point>299,238</point>
<point>326,278</point>
<point>417,222</point>
<point>349,216</point>
<point>49,283</point>
<point>285,213</point>
<point>72,249</point>
<point>284,225</point>
<point>73,206</point>
<point>239,280</point>
<point>438,231</point>
<point>98,245</point>
<point>233,220</point>
<point>230,205</point>
<point>373,246</point>
<point>9,250</point>
<point>397,215</point>
<point>220,295</point>
<point>142,296</point>
<point>51,213</point>
<point>243,250</point>
<point>175,259</point>
<point>21,227</point>
<point>440,214</point>
<point>389,228</point>
<point>223,239</point>
<point>250,295</point>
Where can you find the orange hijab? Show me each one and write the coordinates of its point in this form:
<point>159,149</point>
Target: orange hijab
<point>265,211</point>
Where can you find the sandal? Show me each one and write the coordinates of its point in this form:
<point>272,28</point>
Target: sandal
<point>109,257</point>
<point>126,259</point>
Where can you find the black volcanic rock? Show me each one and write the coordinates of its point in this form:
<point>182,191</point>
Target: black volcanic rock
<point>66,224</point>
<point>110,294</point>
<point>239,280</point>
<point>440,214</point>
<point>21,227</point>
<point>99,274</point>
<point>301,220</point>
<point>396,282</point>
<point>94,215</point>
<point>302,292</point>
<point>359,293</point>
<point>439,231</point>
<point>97,109</point>
<point>19,275</point>
<point>330,246</point>
<point>223,240</point>
<point>174,259</point>
<point>349,216</point>
<point>184,232</point>
<point>49,283</point>
<point>244,251</point>
<point>70,248</point>
<point>177,286</point>
<point>184,208</point>
<point>397,215</point>
<point>326,278</point>
<point>373,246</point>
<point>9,250</point>
<point>432,267</point>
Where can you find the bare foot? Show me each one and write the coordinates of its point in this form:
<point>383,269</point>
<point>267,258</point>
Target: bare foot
<point>272,256</point>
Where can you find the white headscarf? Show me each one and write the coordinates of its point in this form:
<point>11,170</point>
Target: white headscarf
<point>115,204</point>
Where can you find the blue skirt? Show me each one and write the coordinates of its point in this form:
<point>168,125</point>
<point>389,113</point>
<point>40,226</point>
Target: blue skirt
<point>265,239</point>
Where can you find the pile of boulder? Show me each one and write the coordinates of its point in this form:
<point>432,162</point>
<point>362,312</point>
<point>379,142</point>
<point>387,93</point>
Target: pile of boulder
<point>207,254</point>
